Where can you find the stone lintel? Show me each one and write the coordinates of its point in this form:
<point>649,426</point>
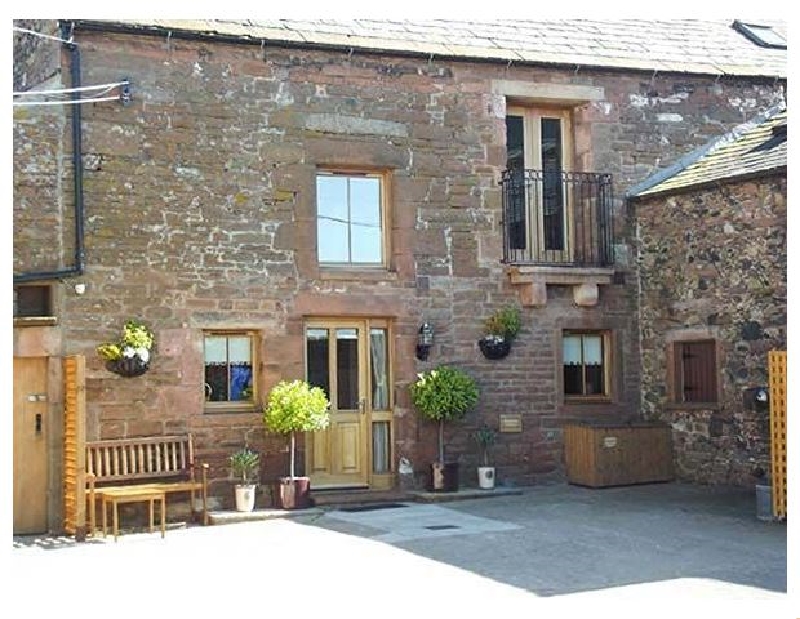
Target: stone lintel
<point>574,94</point>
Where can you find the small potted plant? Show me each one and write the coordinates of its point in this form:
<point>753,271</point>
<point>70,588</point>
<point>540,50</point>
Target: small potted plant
<point>294,407</point>
<point>500,329</point>
<point>130,356</point>
<point>485,436</point>
<point>444,394</point>
<point>244,468</point>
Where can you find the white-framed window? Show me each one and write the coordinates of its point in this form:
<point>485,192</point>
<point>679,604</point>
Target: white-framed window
<point>351,219</point>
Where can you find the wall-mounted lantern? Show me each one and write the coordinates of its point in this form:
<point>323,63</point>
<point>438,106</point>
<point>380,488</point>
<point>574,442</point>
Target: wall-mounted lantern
<point>424,341</point>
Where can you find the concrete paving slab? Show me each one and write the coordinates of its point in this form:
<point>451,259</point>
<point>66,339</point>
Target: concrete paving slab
<point>418,522</point>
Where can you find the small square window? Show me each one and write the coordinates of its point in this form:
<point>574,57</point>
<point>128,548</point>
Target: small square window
<point>350,219</point>
<point>695,371</point>
<point>228,360</point>
<point>32,301</point>
<point>586,364</point>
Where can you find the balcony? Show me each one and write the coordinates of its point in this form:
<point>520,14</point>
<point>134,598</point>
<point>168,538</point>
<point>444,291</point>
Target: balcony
<point>558,229</point>
<point>557,218</point>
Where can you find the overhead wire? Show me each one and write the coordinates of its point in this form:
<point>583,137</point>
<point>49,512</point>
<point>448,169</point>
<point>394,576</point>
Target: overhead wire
<point>68,101</point>
<point>66,91</point>
<point>44,36</point>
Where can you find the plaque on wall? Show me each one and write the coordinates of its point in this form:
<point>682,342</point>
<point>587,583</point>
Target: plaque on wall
<point>511,422</point>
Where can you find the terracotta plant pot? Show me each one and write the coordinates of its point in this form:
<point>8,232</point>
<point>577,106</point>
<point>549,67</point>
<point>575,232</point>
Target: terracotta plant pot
<point>444,477</point>
<point>293,493</point>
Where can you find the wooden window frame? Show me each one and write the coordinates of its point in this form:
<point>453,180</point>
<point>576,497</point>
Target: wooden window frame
<point>608,359</point>
<point>677,375</point>
<point>234,406</point>
<point>384,177</point>
<point>45,319</point>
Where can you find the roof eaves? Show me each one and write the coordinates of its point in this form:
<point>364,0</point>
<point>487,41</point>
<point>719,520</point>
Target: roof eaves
<point>694,156</point>
<point>717,182</point>
<point>293,35</point>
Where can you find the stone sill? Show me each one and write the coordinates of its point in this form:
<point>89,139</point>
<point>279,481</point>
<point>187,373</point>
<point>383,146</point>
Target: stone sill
<point>36,321</point>
<point>361,275</point>
<point>588,400</point>
<point>228,410</point>
<point>695,406</point>
<point>533,281</point>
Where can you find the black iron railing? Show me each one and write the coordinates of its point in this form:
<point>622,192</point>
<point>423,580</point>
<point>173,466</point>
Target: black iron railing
<point>557,218</point>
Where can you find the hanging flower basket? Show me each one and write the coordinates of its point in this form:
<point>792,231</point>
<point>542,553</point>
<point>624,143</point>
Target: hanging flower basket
<point>128,366</point>
<point>131,355</point>
<point>495,347</point>
<point>500,329</point>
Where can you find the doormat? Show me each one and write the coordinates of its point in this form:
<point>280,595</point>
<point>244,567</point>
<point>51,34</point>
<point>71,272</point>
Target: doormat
<point>369,508</point>
<point>442,527</point>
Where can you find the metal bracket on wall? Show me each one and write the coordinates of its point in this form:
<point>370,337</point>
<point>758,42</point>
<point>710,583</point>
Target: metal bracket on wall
<point>125,92</point>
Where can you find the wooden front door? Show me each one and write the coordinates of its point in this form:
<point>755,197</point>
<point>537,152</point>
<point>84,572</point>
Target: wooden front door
<point>30,445</point>
<point>336,361</point>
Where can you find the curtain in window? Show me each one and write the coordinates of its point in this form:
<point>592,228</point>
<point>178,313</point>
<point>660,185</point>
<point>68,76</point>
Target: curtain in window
<point>380,386</point>
<point>380,447</point>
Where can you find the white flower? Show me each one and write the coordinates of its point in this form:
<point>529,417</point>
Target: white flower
<point>128,352</point>
<point>143,353</point>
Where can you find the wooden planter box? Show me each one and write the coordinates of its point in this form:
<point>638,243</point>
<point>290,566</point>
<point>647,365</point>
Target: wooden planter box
<point>618,454</point>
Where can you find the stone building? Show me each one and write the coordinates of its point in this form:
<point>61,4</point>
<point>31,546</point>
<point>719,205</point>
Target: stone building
<point>214,200</point>
<point>712,266</point>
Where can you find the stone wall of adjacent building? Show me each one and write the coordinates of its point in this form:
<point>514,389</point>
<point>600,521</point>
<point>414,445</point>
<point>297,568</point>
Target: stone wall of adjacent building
<point>713,262</point>
<point>200,215</point>
<point>41,154</point>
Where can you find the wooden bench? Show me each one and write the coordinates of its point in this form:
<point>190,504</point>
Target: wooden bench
<point>164,463</point>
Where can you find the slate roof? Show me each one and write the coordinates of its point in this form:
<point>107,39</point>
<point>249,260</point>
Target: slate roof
<point>686,45</point>
<point>757,146</point>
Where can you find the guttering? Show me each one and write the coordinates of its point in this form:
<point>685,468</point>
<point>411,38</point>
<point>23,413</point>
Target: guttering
<point>77,163</point>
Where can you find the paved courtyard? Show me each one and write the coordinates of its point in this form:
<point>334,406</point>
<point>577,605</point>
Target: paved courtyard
<point>657,549</point>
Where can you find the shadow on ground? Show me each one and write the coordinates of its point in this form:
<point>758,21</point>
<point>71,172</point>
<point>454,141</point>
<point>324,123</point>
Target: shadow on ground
<point>562,539</point>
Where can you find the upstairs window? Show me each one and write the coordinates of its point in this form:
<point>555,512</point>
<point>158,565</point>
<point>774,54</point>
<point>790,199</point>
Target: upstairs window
<point>351,216</point>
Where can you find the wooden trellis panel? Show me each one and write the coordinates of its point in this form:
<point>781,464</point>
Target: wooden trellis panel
<point>777,424</point>
<point>74,447</point>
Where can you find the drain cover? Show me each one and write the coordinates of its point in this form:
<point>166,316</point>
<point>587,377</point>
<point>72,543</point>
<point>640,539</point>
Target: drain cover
<point>369,508</point>
<point>441,527</point>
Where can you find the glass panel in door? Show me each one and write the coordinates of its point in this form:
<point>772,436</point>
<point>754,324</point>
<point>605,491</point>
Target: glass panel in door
<point>515,162</point>
<point>552,186</point>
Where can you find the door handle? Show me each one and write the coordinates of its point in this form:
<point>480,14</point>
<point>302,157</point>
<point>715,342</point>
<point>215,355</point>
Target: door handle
<point>362,405</point>
<point>38,423</point>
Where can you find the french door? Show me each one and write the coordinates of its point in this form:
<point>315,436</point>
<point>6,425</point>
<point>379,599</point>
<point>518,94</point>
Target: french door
<point>539,152</point>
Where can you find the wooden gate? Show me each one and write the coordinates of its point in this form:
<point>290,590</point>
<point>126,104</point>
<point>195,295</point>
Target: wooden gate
<point>777,424</point>
<point>74,447</point>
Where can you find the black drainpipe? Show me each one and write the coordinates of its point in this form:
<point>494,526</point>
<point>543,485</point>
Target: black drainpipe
<point>77,163</point>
